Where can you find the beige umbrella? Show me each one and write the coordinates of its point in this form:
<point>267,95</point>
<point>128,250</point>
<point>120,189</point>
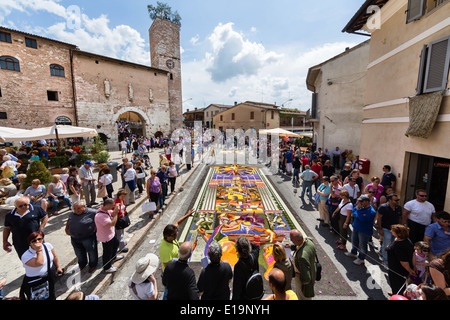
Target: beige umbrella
<point>53,132</point>
<point>281,132</point>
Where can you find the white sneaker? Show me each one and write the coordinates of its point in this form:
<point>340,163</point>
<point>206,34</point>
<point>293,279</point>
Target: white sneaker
<point>118,257</point>
<point>358,261</point>
<point>111,270</point>
<point>349,254</point>
<point>373,244</point>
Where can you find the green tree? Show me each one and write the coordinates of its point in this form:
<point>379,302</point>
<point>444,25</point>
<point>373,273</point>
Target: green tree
<point>163,11</point>
<point>37,170</point>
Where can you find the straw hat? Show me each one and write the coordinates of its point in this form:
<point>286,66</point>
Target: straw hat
<point>145,267</point>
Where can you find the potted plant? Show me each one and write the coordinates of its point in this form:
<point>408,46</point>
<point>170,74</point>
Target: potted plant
<point>101,157</point>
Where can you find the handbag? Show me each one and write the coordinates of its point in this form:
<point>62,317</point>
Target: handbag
<point>318,269</point>
<point>123,222</point>
<point>102,192</point>
<point>317,198</point>
<point>40,288</point>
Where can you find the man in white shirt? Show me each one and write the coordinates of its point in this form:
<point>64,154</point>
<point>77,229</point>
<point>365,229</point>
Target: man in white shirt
<point>124,147</point>
<point>88,183</point>
<point>417,215</point>
<point>336,158</point>
<point>130,183</point>
<point>353,189</point>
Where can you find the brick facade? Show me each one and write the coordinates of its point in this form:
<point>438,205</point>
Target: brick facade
<point>24,93</point>
<point>95,90</point>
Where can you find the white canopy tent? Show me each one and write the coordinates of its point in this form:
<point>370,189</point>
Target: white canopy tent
<point>53,132</point>
<point>7,133</point>
<point>281,132</point>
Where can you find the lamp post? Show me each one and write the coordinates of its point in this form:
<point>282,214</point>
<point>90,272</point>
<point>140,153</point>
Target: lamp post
<point>58,145</point>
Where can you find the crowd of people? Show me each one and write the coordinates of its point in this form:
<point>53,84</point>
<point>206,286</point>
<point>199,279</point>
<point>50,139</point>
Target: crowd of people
<point>217,280</point>
<point>414,239</point>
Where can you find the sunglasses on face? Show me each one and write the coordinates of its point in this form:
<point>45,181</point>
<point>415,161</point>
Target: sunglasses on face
<point>36,240</point>
<point>422,195</point>
<point>23,205</point>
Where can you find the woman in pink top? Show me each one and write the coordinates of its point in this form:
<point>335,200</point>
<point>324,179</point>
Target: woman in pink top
<point>105,222</point>
<point>153,190</point>
<point>377,188</point>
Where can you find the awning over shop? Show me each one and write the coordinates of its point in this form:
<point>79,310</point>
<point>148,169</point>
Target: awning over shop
<point>53,132</point>
<point>7,133</point>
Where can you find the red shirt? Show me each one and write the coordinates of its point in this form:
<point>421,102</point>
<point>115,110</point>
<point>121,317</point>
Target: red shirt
<point>316,168</point>
<point>305,161</point>
<point>122,208</point>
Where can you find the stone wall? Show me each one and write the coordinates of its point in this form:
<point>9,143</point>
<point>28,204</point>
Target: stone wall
<point>107,88</point>
<point>165,54</point>
<point>24,93</point>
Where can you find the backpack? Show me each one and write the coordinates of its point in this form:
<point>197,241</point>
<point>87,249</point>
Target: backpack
<point>254,287</point>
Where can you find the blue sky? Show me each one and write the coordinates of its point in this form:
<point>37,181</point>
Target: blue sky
<point>232,50</point>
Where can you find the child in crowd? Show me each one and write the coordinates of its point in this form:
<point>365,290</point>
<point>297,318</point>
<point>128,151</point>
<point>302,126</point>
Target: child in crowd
<point>64,175</point>
<point>420,261</point>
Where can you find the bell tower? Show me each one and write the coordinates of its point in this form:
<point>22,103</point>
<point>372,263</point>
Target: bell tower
<point>165,55</point>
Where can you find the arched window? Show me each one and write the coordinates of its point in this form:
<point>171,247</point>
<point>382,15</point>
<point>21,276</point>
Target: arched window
<point>9,63</point>
<point>56,70</point>
<point>63,120</point>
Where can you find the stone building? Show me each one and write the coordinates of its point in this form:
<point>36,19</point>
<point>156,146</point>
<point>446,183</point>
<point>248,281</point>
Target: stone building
<point>211,110</point>
<point>192,116</point>
<point>248,115</point>
<point>43,80</point>
<point>338,86</point>
<point>36,80</point>
<point>110,88</point>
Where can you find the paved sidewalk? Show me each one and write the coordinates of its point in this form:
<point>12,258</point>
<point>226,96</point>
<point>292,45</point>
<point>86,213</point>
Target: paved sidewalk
<point>12,269</point>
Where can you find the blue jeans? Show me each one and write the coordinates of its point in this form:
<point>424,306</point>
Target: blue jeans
<point>387,240</point>
<point>360,242</point>
<point>163,195</point>
<point>55,202</point>
<point>84,249</point>
<point>296,174</point>
<point>307,185</point>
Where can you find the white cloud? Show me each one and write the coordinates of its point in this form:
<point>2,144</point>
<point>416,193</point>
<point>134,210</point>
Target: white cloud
<point>233,68</point>
<point>89,34</point>
<point>194,40</point>
<point>281,77</point>
<point>232,55</point>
